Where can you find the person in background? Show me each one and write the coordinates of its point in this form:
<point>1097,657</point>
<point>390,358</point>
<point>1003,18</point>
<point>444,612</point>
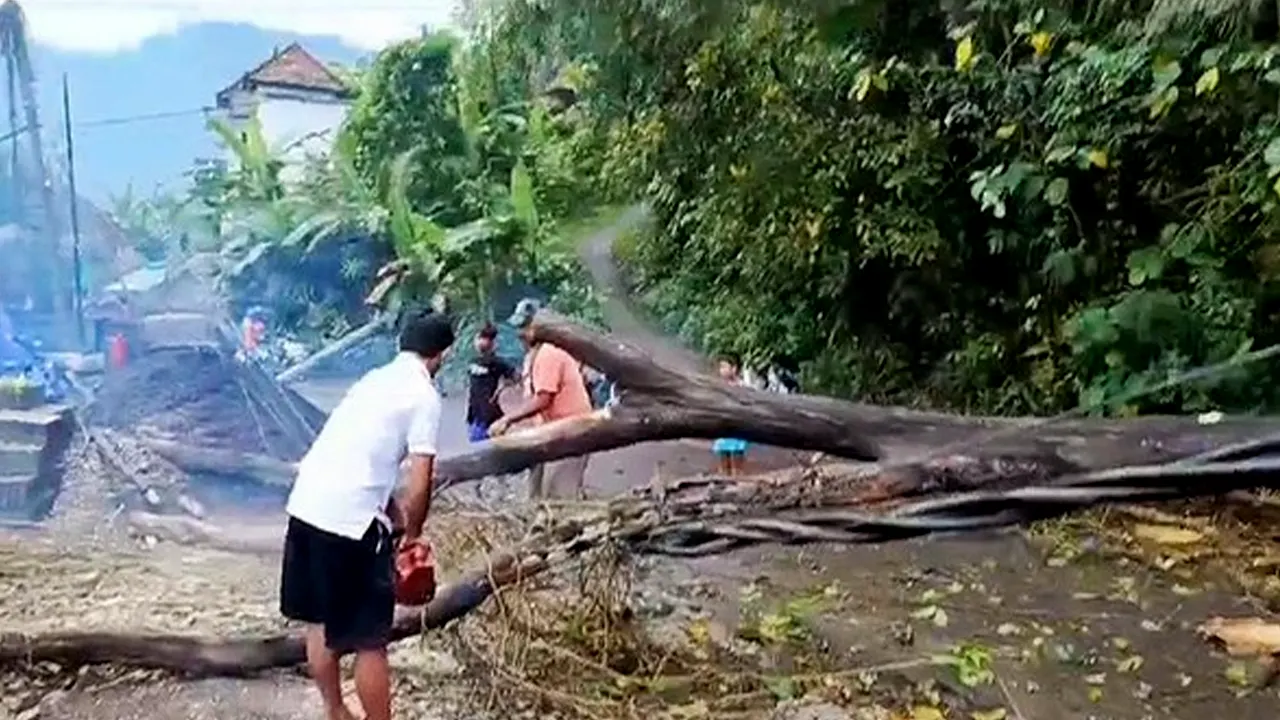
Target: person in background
<point>784,375</point>
<point>731,453</point>
<point>253,330</point>
<point>554,390</point>
<point>490,374</point>
<point>337,575</point>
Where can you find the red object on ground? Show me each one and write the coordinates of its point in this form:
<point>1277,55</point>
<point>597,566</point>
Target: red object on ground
<point>118,351</point>
<point>415,574</point>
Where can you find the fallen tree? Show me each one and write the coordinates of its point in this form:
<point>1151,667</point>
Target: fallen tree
<point>565,539</point>
<point>658,402</point>
<point>337,347</point>
<point>709,515</point>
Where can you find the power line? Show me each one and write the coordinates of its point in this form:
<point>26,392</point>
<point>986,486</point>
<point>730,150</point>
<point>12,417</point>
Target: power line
<point>144,117</point>
<point>121,120</point>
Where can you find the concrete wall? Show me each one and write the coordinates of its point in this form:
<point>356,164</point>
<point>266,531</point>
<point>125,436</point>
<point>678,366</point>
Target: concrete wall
<point>304,121</point>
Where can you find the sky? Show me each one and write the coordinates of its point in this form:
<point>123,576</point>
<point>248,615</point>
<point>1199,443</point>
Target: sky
<point>108,26</point>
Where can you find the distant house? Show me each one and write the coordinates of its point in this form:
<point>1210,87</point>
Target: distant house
<point>299,102</point>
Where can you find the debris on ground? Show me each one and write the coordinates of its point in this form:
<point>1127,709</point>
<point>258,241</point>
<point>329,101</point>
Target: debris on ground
<point>191,393</point>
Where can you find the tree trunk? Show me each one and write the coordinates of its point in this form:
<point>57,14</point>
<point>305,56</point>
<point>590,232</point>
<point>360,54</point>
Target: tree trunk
<point>346,342</point>
<point>238,657</point>
<point>658,402</point>
<point>626,518</point>
<point>192,458</point>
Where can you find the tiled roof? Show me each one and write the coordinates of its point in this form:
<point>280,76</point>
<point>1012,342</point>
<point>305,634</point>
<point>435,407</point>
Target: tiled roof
<point>294,67</point>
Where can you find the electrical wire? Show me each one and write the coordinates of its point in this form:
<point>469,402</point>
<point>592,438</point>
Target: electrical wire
<point>143,117</point>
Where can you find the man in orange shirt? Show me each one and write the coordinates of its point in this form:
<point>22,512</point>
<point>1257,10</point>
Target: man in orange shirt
<point>555,389</point>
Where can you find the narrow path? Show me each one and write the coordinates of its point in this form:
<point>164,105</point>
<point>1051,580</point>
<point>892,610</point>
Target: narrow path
<point>596,254</point>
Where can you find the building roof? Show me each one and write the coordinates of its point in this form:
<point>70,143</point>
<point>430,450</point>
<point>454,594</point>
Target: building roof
<point>292,67</point>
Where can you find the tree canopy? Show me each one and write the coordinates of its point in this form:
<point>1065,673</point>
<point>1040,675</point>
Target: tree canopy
<point>1007,205</point>
<point>1013,205</point>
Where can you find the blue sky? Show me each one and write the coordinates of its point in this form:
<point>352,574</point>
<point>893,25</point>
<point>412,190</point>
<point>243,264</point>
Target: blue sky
<point>113,25</point>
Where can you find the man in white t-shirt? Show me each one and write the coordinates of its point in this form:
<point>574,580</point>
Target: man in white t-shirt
<point>339,553</point>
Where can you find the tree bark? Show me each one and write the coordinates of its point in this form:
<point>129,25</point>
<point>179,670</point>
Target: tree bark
<point>626,517</point>
<point>192,458</point>
<point>633,520</point>
<point>346,342</point>
<point>659,402</point>
<point>239,657</point>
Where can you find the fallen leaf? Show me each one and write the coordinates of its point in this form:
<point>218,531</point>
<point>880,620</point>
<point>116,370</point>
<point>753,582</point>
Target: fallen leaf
<point>1095,694</point>
<point>992,714</point>
<point>925,613</point>
<point>925,712</point>
<point>1130,664</point>
<point>699,631</point>
<point>1167,534</point>
<point>1242,637</point>
<point>1008,629</point>
<point>1237,673</point>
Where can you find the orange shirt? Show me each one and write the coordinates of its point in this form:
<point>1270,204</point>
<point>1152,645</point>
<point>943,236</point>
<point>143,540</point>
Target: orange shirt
<point>549,369</point>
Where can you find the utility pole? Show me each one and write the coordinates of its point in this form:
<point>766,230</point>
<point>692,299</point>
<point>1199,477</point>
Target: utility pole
<point>78,298</point>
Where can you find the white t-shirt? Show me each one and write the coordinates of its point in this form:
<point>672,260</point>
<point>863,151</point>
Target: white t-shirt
<point>348,475</point>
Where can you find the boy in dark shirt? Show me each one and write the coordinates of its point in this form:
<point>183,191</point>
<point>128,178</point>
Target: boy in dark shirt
<point>489,374</point>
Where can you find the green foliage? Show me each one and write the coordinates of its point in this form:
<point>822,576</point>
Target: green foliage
<point>1006,205</point>
<point>433,188</point>
<point>408,104</point>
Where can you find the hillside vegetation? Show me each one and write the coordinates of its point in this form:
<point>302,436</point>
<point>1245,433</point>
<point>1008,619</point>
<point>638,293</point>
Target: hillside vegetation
<point>1005,205</point>
<point>1008,206</point>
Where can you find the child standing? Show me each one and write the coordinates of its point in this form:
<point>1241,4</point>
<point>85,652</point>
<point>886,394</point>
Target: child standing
<point>489,375</point>
<point>730,452</point>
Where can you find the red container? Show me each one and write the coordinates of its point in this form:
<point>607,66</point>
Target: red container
<point>415,574</point>
<point>118,351</point>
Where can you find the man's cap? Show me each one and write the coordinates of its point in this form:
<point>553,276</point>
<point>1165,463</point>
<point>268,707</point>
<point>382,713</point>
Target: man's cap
<point>524,312</point>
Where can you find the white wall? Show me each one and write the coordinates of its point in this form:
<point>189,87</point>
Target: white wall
<point>305,122</point>
<point>307,126</point>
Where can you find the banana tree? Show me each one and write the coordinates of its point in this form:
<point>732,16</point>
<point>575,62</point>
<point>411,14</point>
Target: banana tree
<point>467,261</point>
<point>257,212</point>
<point>339,202</point>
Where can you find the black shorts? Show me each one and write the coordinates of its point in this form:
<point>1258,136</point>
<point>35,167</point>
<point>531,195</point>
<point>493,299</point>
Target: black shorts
<point>346,585</point>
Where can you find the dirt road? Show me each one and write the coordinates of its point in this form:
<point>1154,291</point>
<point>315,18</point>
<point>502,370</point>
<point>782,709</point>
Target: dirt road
<point>1073,632</point>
